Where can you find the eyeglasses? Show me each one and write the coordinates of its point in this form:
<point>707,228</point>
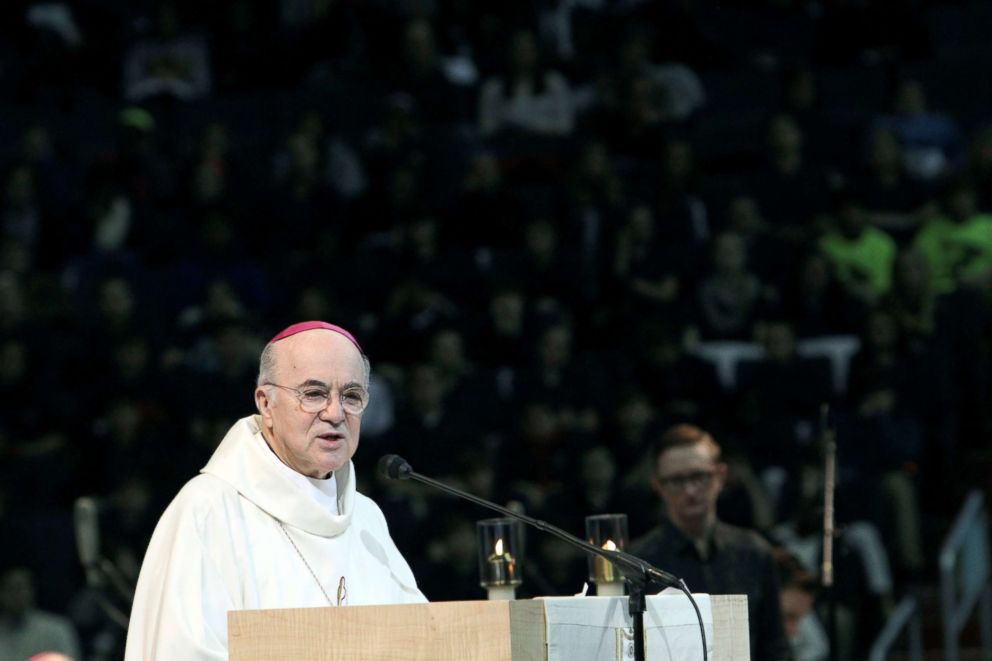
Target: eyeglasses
<point>314,399</point>
<point>695,479</point>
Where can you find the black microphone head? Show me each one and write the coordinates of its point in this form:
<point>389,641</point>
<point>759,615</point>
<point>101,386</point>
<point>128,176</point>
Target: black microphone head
<point>394,467</point>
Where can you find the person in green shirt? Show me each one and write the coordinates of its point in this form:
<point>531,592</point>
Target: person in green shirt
<point>957,246</point>
<point>861,255</point>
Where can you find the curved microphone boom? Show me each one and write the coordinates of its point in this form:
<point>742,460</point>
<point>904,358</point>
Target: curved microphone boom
<point>396,467</point>
<point>638,573</point>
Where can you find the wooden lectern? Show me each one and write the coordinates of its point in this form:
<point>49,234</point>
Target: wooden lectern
<point>445,631</point>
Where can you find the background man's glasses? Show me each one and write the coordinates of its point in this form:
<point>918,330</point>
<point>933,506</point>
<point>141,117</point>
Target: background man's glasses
<point>696,479</point>
<point>314,400</point>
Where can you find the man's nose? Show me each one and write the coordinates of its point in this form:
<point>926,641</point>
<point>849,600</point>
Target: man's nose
<point>334,411</point>
<point>692,487</point>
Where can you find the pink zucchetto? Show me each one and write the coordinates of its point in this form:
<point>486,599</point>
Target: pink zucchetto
<point>311,325</point>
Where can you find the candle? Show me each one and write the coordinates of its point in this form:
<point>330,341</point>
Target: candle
<point>501,567</point>
<point>603,570</point>
<point>500,555</point>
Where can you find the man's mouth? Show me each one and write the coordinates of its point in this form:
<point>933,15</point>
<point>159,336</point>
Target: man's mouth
<point>331,437</point>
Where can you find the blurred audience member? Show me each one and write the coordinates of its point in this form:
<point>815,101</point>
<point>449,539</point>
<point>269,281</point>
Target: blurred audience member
<point>26,630</point>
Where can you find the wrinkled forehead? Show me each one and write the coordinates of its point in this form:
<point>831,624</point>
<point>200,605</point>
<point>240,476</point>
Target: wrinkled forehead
<point>321,355</point>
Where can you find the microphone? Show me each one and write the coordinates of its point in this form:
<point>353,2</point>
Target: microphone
<point>394,467</point>
<point>634,569</point>
<point>85,515</point>
<point>638,573</point>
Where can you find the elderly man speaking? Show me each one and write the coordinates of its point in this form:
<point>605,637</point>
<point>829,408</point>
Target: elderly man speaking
<point>273,520</point>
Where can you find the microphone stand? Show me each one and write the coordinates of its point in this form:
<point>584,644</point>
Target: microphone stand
<point>637,573</point>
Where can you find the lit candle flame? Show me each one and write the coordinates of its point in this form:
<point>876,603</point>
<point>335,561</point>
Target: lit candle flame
<point>498,548</point>
<point>609,545</point>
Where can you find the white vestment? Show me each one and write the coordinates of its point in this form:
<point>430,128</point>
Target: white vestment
<point>219,546</point>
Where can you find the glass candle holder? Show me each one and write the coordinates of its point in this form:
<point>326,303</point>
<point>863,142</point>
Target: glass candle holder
<point>500,553</point>
<point>607,531</point>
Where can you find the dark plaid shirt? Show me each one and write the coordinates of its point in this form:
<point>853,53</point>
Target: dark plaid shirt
<point>738,561</point>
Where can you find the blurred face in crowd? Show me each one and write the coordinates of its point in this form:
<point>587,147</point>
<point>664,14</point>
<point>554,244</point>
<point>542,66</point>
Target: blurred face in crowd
<point>16,592</point>
<point>116,299</point>
<point>426,388</point>
<point>597,469</point>
<point>556,346</point>
<point>885,151</point>
<point>852,221</point>
<point>448,350</point>
<point>313,444</point>
<point>910,98</point>
<point>523,51</point>
<point>507,311</point>
<point>689,479</point>
<point>795,604</point>
<point>785,137</point>
<point>780,342</point>
<point>730,253</point>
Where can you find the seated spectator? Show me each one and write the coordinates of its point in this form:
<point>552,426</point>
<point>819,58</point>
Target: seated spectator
<point>814,300</point>
<point>429,430</point>
<point>770,256</point>
<point>484,215</point>
<point>893,200</point>
<point>863,585</point>
<point>558,374</point>
<point>648,272</point>
<point>552,449</point>
<point>797,594</point>
<point>545,267</point>
<point>891,394</point>
<point>791,190</point>
<point>439,87</point>
<point>678,199</point>
<point>932,143</point>
<point>24,629</point>
<point>731,297</point>
<point>501,338</point>
<point>174,62</point>
<point>778,400</point>
<point>526,96</point>
<point>957,244</point>
<point>678,384</point>
<point>595,206</point>
<point>861,256</point>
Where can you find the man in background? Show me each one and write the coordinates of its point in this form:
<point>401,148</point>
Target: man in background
<point>711,556</point>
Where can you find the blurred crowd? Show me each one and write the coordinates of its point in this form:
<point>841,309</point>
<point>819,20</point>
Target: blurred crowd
<point>556,227</point>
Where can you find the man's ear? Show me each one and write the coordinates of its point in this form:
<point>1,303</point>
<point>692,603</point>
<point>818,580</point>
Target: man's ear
<point>263,402</point>
<point>721,470</point>
<point>656,486</point>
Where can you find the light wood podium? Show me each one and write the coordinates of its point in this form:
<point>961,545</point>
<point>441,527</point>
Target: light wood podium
<point>446,631</point>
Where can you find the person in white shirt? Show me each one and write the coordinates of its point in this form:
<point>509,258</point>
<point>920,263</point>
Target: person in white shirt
<point>274,519</point>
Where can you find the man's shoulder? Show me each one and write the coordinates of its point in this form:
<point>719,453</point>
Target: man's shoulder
<point>741,538</point>
<point>650,540</point>
<point>200,495</point>
<point>204,487</point>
